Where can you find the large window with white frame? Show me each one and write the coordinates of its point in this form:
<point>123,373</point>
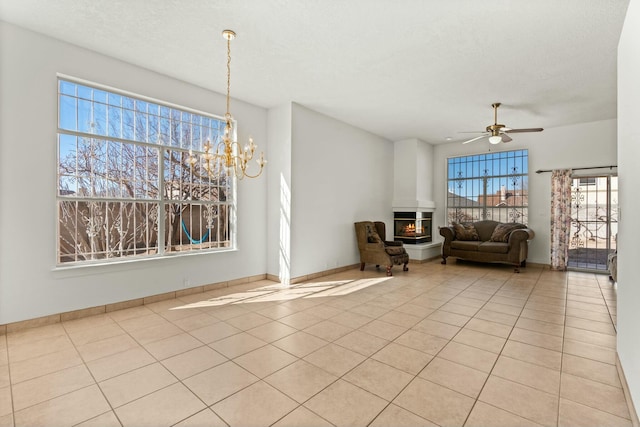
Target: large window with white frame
<point>488,186</point>
<point>125,188</point>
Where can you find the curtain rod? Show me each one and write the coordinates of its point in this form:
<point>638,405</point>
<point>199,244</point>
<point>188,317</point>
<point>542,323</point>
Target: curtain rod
<point>577,169</point>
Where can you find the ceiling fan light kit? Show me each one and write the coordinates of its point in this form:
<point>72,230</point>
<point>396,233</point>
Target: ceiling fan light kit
<point>497,132</point>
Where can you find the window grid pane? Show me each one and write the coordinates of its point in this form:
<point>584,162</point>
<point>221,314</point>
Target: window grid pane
<point>113,199</point>
<point>488,186</point>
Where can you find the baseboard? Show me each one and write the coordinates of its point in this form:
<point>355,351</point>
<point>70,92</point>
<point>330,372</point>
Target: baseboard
<point>423,261</point>
<point>313,276</point>
<point>107,308</point>
<point>538,265</point>
<point>627,395</point>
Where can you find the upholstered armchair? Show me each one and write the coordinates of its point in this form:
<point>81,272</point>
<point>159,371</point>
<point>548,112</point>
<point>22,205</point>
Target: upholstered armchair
<point>375,250</point>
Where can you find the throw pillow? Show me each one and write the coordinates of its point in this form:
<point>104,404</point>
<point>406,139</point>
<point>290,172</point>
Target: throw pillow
<point>372,235</point>
<point>465,231</point>
<point>502,231</point>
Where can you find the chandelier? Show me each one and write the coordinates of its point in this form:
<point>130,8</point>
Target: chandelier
<point>228,157</point>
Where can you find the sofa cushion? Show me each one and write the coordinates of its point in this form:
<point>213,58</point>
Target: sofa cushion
<point>465,245</point>
<point>465,231</point>
<point>494,247</point>
<point>503,230</point>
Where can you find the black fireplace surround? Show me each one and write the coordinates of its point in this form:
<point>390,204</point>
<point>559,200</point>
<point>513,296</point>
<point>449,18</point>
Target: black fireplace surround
<point>412,227</point>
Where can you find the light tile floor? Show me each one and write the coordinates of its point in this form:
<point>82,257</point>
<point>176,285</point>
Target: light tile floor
<point>450,345</point>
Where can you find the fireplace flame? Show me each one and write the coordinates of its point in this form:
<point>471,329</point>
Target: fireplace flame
<point>411,229</point>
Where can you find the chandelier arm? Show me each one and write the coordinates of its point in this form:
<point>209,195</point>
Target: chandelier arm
<point>256,175</point>
<point>219,144</point>
<point>242,153</point>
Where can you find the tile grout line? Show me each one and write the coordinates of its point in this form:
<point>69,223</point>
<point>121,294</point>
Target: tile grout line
<point>141,346</point>
<point>91,373</point>
<point>416,376</point>
<point>615,325</point>
<point>341,377</point>
<point>181,381</point>
<point>63,394</point>
<point>263,379</point>
<point>13,400</point>
<point>564,332</point>
<point>338,378</point>
<point>596,381</point>
<point>367,358</point>
<point>449,341</point>
<point>156,360</point>
<point>500,354</point>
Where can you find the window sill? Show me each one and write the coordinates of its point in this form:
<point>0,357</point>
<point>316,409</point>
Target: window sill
<point>92,268</point>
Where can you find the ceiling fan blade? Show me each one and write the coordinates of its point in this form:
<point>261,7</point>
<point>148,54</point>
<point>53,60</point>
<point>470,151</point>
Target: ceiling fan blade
<point>474,139</point>
<point>506,138</point>
<point>474,131</point>
<point>524,130</point>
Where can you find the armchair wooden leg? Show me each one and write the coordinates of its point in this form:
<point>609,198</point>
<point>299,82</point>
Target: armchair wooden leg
<point>362,266</point>
<point>516,269</point>
<point>389,270</point>
<point>444,260</point>
<point>523,263</point>
<point>404,267</point>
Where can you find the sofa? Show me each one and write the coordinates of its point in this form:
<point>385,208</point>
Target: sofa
<point>487,241</point>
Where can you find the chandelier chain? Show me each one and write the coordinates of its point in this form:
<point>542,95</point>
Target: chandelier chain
<point>228,115</point>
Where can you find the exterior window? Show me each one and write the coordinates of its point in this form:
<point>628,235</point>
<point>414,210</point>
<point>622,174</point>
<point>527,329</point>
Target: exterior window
<point>589,180</point>
<point>125,188</point>
<point>488,186</point>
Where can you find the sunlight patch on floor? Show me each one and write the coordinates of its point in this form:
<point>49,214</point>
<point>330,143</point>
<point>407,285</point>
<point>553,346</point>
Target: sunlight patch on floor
<point>279,292</point>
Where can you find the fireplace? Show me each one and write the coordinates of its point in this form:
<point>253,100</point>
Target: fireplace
<point>412,227</point>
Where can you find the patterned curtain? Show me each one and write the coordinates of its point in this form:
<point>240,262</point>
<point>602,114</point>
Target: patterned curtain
<point>560,218</point>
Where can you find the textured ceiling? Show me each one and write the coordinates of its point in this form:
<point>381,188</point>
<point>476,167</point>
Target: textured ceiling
<point>398,68</point>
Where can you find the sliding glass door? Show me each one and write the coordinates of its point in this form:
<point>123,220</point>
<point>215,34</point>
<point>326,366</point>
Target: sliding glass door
<point>594,221</point>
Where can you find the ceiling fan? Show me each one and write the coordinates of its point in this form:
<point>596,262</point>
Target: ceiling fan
<point>497,132</point>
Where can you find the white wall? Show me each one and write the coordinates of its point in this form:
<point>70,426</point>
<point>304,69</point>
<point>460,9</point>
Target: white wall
<point>412,172</point>
<point>340,174</point>
<point>279,182</point>
<point>405,172</point>
<point>425,172</point>
<point>584,145</point>
<point>628,181</point>
<point>29,284</point>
